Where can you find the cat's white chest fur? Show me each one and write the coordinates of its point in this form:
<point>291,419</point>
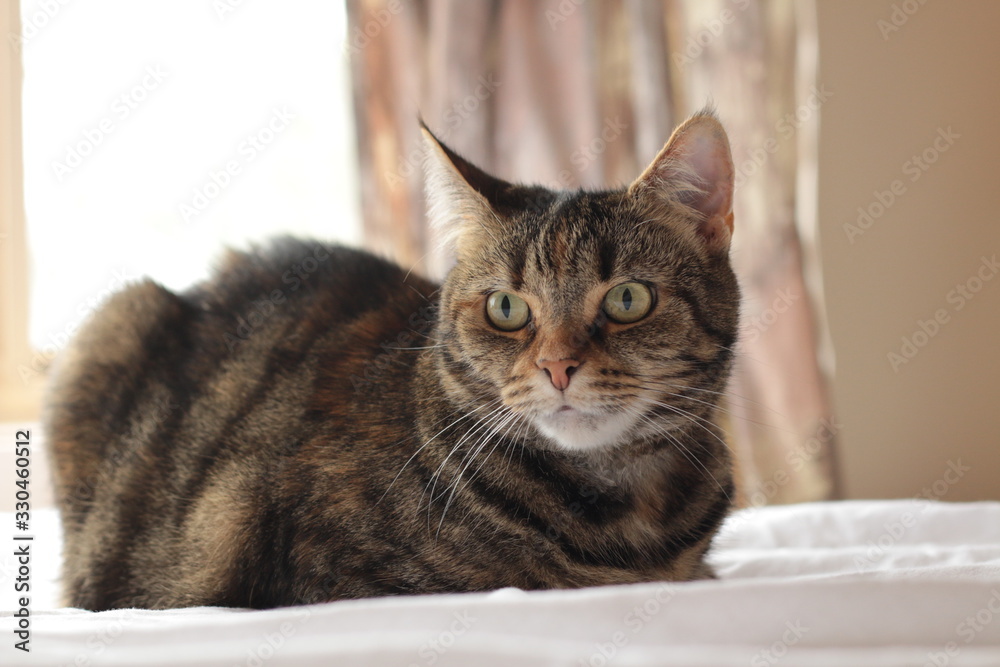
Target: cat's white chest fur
<point>575,429</point>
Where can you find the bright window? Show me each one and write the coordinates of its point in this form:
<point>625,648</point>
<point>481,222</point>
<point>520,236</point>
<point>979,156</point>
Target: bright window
<point>155,134</point>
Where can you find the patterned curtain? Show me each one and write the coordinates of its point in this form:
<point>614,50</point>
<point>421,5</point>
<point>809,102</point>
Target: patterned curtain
<point>572,93</point>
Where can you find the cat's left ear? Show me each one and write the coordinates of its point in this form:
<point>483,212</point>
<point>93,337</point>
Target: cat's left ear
<point>463,200</point>
<point>694,171</point>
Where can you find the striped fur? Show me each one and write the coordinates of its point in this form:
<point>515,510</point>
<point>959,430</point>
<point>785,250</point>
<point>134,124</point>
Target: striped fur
<point>314,424</point>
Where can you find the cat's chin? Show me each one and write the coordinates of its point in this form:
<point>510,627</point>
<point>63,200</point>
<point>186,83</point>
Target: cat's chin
<point>577,430</point>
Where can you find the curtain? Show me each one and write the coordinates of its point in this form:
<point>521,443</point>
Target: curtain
<point>572,93</point>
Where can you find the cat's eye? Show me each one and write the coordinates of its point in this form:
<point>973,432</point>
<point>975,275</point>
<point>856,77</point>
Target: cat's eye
<point>628,302</point>
<point>507,311</point>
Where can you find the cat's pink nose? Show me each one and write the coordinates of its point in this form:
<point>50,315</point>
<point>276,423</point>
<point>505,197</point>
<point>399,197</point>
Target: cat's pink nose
<point>559,371</point>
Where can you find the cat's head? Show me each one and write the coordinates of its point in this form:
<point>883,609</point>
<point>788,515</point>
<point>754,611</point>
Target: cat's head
<point>592,318</point>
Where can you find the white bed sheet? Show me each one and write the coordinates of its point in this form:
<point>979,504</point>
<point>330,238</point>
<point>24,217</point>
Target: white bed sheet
<point>848,583</point>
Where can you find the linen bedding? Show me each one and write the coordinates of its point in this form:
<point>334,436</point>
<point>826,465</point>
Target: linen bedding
<point>906,582</point>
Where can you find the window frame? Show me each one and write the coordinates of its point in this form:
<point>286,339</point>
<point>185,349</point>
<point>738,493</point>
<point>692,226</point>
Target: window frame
<point>20,397</point>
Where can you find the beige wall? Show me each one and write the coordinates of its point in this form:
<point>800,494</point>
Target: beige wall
<point>894,94</point>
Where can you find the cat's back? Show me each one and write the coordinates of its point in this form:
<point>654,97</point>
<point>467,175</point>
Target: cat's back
<point>171,409</point>
<point>262,316</point>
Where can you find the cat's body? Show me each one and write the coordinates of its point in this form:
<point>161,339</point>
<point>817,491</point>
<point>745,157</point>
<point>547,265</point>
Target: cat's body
<point>314,424</point>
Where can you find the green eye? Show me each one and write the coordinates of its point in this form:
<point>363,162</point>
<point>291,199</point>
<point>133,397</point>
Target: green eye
<point>507,311</point>
<point>628,302</point>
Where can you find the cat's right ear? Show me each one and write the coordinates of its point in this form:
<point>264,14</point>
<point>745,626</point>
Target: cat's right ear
<point>694,173</point>
<point>462,200</point>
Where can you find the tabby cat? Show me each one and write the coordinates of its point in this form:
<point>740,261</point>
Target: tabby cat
<point>313,423</point>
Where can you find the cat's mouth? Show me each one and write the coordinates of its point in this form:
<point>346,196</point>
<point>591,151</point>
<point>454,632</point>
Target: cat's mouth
<point>576,429</point>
